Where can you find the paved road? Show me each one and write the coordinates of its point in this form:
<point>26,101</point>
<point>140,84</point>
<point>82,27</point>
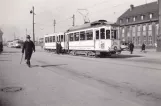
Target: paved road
<point>63,80</point>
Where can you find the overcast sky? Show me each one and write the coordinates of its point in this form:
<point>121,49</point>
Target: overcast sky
<point>15,14</point>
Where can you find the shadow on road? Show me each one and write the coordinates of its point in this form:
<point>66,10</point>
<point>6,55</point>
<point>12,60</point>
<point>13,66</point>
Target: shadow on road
<point>5,60</point>
<point>11,52</point>
<point>125,56</point>
<point>43,66</point>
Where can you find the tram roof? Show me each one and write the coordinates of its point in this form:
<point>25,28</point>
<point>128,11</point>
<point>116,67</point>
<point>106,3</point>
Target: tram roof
<point>94,24</point>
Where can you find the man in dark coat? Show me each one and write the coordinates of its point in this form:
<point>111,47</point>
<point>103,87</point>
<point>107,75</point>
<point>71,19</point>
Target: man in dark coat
<point>28,47</point>
<point>131,47</point>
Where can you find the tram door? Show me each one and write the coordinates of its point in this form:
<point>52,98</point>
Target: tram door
<point>97,39</point>
<point>100,40</point>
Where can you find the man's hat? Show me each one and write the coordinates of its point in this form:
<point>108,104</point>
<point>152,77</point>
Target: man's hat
<point>28,36</point>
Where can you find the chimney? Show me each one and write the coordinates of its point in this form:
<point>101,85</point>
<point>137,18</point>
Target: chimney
<point>131,7</point>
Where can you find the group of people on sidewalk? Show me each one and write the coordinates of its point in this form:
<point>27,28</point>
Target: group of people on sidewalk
<point>131,47</point>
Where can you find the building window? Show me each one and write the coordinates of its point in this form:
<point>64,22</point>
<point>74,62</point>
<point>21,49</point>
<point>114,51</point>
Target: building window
<point>128,19</point>
<point>133,40</point>
<point>123,32</point>
<point>144,33</point>
<point>157,29</point>
<point>138,41</point>
<point>134,18</point>
<point>128,31</point>
<point>150,34</point>
<point>133,34</point>
<point>138,34</point>
<point>133,31</point>
<point>145,40</point>
<point>151,15</point>
<point>142,17</point>
<point>150,40</point>
<point>120,21</point>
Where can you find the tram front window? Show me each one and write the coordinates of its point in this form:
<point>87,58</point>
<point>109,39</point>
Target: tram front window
<point>102,33</point>
<point>107,34</point>
<point>114,34</point>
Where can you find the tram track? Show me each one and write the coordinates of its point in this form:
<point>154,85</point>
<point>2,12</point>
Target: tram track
<point>127,62</point>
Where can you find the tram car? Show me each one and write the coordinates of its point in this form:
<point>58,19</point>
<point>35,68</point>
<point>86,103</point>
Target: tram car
<point>91,39</point>
<point>52,39</point>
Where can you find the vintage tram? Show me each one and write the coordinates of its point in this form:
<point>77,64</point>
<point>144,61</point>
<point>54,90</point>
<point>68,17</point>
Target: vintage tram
<point>91,39</point>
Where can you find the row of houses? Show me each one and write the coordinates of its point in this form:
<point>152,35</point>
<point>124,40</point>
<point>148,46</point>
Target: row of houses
<point>140,24</point>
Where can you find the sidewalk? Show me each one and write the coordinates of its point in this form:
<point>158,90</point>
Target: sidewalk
<point>149,54</point>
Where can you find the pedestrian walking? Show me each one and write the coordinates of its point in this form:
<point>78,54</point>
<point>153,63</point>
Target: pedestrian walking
<point>131,47</point>
<point>28,48</point>
<point>57,47</point>
<point>143,48</point>
<point>60,47</point>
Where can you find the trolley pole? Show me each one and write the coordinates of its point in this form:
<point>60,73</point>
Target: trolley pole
<point>73,20</point>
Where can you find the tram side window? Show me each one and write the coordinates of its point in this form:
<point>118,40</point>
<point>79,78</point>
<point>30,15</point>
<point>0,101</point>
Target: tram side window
<point>76,36</point>
<point>71,37</point>
<point>82,35</point>
<point>46,39</point>
<point>61,38</point>
<point>57,38</point>
<point>97,34</point>
<point>89,34</point>
<point>102,33</point>
<point>107,34</point>
<point>53,38</point>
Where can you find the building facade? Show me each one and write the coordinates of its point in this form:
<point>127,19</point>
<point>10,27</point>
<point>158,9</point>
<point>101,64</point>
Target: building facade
<point>140,25</point>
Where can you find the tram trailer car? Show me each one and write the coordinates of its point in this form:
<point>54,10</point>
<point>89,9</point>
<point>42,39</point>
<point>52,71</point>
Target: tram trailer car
<point>51,39</point>
<point>91,39</point>
<point>96,38</point>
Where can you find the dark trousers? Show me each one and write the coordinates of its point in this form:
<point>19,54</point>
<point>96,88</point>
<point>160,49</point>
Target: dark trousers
<point>28,57</point>
<point>131,51</point>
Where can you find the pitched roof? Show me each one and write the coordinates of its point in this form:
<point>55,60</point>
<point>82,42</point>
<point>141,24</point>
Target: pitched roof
<point>142,9</point>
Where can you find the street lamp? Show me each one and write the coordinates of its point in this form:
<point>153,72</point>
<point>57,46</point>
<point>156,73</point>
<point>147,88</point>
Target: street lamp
<point>32,12</point>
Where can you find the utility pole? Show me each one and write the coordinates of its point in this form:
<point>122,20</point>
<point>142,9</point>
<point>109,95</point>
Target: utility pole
<point>33,13</point>
<point>159,33</point>
<point>73,20</point>
<point>26,31</point>
<point>54,23</point>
